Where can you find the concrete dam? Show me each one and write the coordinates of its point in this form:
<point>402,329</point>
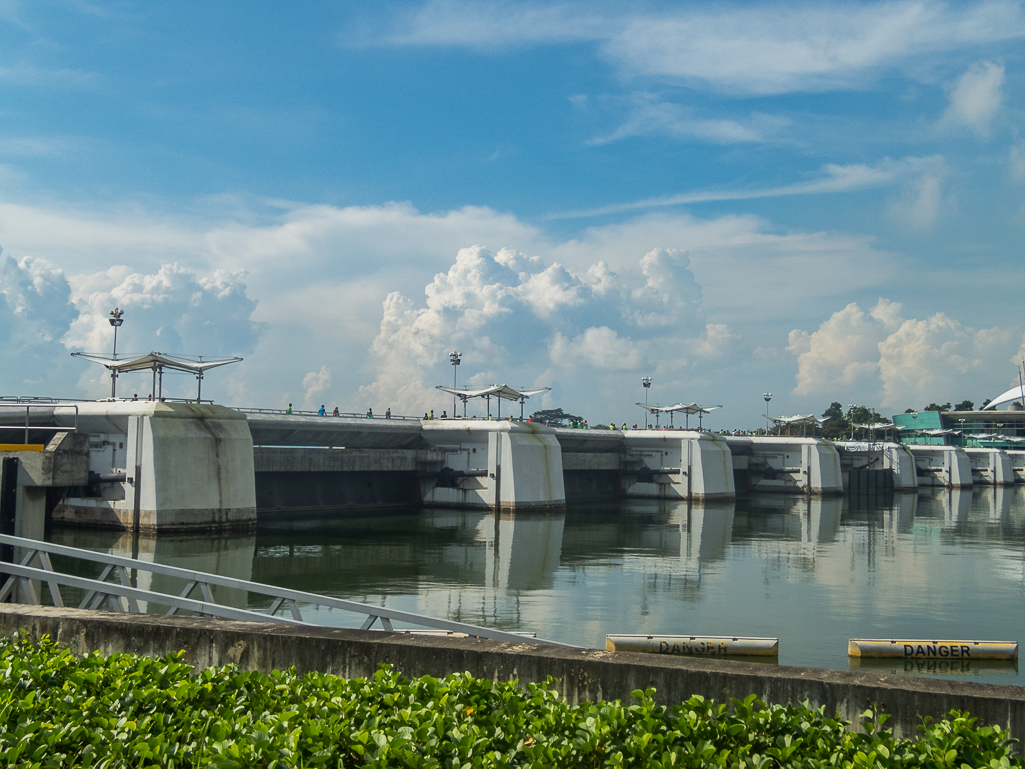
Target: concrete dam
<point>143,465</point>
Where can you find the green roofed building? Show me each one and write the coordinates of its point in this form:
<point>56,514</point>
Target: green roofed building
<point>1000,425</point>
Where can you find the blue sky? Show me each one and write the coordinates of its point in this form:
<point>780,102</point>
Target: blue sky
<point>823,201</point>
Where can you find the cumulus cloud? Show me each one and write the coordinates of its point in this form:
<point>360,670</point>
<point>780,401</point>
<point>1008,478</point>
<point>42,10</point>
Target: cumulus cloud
<point>975,98</point>
<point>35,314</point>
<point>174,310</point>
<point>314,385</point>
<point>880,357</point>
<point>754,49</point>
<point>513,315</point>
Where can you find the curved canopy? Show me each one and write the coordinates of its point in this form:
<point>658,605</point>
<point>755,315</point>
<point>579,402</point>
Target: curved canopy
<point>1011,396</point>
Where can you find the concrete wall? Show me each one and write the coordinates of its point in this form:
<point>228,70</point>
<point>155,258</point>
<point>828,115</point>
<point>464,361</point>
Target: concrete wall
<point>581,674</point>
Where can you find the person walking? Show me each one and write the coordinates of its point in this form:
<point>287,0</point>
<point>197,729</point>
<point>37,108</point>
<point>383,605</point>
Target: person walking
<point>321,412</point>
<point>387,414</point>
<point>289,409</point>
<point>370,413</point>
<point>335,412</point>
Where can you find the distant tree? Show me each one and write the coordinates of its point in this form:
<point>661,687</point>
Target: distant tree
<point>986,402</point>
<point>965,405</point>
<point>836,424</point>
<point>909,411</point>
<point>835,411</point>
<point>555,417</point>
<point>938,407</point>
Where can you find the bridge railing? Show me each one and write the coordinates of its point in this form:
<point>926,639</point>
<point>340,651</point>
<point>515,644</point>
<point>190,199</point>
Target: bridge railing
<point>328,415</point>
<point>122,595</point>
<point>9,408</point>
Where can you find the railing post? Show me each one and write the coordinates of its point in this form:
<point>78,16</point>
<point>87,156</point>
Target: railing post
<point>8,503</point>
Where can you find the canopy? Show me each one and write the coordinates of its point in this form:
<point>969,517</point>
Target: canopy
<point>798,419</point>
<point>499,391</point>
<point>684,408</point>
<point>1015,394</point>
<point>157,362</point>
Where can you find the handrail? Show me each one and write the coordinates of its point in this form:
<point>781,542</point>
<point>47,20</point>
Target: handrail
<point>28,425</point>
<point>350,414</point>
<point>282,597</point>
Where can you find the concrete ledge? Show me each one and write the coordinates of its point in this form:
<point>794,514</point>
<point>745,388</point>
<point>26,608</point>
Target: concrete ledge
<point>582,674</point>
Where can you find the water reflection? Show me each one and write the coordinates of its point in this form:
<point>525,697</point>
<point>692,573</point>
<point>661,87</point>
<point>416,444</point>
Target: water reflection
<point>813,572</point>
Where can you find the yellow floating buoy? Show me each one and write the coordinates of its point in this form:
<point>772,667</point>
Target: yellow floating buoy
<point>694,645</point>
<point>921,649</point>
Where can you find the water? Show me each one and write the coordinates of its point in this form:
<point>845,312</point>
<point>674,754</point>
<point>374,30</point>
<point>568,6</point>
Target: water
<point>812,572</point>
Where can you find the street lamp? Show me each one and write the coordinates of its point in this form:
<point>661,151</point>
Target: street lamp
<point>768,397</point>
<point>646,381</point>
<point>455,358</point>
<point>115,321</point>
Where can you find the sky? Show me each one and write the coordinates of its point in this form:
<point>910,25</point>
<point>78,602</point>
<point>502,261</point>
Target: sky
<point>821,201</point>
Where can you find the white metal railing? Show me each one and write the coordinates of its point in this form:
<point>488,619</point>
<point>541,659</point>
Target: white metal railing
<point>28,424</point>
<point>123,596</point>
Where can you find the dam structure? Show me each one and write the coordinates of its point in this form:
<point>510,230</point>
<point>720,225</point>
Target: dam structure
<point>153,465</point>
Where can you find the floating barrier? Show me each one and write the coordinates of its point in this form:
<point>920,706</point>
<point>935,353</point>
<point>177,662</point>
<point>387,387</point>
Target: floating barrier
<point>694,645</point>
<point>920,649</point>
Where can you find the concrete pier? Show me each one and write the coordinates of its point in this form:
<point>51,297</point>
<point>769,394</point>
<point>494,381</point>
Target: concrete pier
<point>990,467</point>
<point>161,466</point>
<point>946,466</point>
<point>788,465</point>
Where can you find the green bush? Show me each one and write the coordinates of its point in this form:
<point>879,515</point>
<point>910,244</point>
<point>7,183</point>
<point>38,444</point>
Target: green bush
<point>59,710</point>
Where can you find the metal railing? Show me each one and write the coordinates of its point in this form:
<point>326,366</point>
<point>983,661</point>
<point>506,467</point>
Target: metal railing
<point>300,413</point>
<point>29,426</point>
<point>122,596</point>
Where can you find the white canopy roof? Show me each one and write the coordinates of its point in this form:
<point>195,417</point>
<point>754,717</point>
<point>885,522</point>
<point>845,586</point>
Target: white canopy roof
<point>499,391</point>
<point>679,408</point>
<point>158,360</point>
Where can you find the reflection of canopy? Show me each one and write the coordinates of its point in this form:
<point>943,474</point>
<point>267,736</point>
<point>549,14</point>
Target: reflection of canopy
<point>499,391</point>
<point>1012,395</point>
<point>683,408</point>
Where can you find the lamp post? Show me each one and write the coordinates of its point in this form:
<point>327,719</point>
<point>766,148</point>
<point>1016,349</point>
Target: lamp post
<point>455,358</point>
<point>646,381</point>
<point>768,397</point>
<point>115,321</point>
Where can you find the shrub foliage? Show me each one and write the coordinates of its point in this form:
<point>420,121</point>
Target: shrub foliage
<point>60,710</point>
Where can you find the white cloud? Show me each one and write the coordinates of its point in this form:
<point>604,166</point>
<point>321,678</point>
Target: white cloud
<point>1017,161</point>
<point>35,314</point>
<point>834,179</point>
<point>688,293</point>
<point>754,49</point>
<point>920,202</point>
<point>975,98</point>
<point>879,357</point>
<point>513,315</point>
<point>651,116</point>
<point>314,385</point>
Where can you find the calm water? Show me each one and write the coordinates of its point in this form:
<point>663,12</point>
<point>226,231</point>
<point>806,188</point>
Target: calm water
<point>812,572</point>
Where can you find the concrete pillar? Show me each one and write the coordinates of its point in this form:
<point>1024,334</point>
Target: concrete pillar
<point>696,465</point>
<point>901,463</point>
<point>803,465</point>
<point>187,467</point>
<point>942,466</point>
<point>508,465</point>
<point>990,467</point>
